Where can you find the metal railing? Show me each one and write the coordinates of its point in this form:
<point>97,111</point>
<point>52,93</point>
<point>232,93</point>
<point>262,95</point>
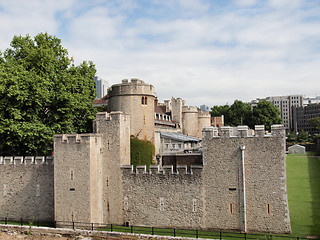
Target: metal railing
<point>175,232</point>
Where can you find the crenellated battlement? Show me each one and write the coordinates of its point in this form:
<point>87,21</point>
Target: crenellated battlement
<point>27,160</point>
<point>158,170</point>
<point>133,87</point>
<point>243,132</point>
<point>75,138</point>
<point>189,109</point>
<point>203,114</point>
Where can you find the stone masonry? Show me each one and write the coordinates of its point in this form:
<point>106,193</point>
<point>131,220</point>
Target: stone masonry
<point>135,98</point>
<point>241,184</point>
<point>26,188</point>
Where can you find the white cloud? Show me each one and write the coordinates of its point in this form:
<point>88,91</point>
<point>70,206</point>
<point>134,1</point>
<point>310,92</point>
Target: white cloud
<point>245,3</point>
<point>196,50</point>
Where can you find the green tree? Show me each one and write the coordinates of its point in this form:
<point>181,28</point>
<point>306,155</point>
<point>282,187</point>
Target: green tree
<point>265,114</point>
<point>292,137</point>
<point>315,122</point>
<point>239,113</point>
<point>42,94</point>
<point>217,111</point>
<point>303,136</point>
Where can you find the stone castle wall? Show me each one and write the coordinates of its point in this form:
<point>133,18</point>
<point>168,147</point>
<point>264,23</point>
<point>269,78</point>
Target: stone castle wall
<point>27,188</point>
<point>263,205</point>
<point>87,171</point>
<point>78,178</point>
<point>163,198</point>
<point>242,186</point>
<point>115,150</point>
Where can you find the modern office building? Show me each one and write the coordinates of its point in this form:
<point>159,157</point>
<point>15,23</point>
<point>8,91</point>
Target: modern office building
<point>285,104</point>
<point>101,87</point>
<point>301,116</point>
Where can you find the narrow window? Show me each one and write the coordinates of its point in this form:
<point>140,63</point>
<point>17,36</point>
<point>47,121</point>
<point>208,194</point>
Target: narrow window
<point>161,204</point>
<point>173,146</point>
<point>108,207</point>
<point>125,202</point>
<point>231,208</point>
<point>4,189</point>
<point>142,100</point>
<point>194,205</point>
<point>38,190</point>
<point>268,208</point>
<point>145,101</point>
<point>71,175</point>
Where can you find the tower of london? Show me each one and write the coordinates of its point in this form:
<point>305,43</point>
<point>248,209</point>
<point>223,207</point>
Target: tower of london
<point>239,185</point>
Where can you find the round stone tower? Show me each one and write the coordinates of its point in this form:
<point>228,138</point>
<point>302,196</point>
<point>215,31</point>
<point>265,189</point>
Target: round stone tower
<point>204,120</point>
<point>190,121</point>
<point>137,99</point>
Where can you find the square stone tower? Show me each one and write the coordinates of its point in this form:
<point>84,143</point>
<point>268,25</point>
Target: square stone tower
<point>87,171</point>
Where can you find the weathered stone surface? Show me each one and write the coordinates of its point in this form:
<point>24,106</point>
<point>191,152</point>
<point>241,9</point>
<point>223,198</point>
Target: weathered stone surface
<point>26,188</point>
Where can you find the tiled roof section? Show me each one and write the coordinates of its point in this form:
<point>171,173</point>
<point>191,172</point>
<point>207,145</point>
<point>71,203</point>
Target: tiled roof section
<point>160,109</point>
<point>179,137</point>
<point>101,101</point>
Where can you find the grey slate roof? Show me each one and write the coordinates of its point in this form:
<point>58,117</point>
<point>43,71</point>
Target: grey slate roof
<point>179,137</point>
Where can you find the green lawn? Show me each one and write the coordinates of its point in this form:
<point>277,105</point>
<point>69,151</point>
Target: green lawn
<point>303,183</point>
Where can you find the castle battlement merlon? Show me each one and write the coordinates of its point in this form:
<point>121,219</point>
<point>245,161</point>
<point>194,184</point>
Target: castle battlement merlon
<point>203,114</point>
<point>243,131</point>
<point>28,160</point>
<point>75,138</point>
<point>133,87</point>
<point>189,109</point>
<point>157,170</point>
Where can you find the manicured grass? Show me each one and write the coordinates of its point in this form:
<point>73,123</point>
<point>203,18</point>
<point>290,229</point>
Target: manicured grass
<point>303,185</point>
<point>306,154</point>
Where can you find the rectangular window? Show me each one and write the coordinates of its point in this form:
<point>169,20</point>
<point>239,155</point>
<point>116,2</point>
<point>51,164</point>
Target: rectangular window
<point>161,204</point>
<point>38,190</point>
<point>231,210</point>
<point>167,145</point>
<point>268,208</point>
<point>194,205</point>
<point>179,145</point>
<point>71,175</point>
<point>173,146</point>
<point>125,203</point>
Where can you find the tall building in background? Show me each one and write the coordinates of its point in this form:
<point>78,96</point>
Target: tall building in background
<point>101,87</point>
<point>285,104</point>
<point>302,115</point>
<point>204,108</point>
<point>311,100</point>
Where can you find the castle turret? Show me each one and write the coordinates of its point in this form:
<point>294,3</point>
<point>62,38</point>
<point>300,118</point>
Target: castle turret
<point>204,120</point>
<point>190,121</point>
<point>135,98</point>
<point>176,110</point>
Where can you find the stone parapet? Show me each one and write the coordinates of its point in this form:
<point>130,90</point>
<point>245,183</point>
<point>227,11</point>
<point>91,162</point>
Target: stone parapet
<point>157,170</point>
<point>28,160</point>
<point>134,87</point>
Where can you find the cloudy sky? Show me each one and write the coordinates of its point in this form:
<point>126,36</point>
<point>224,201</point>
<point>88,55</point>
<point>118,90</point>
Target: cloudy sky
<point>204,51</point>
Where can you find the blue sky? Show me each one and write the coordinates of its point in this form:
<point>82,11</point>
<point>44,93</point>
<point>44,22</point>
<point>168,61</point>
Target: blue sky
<point>204,51</point>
